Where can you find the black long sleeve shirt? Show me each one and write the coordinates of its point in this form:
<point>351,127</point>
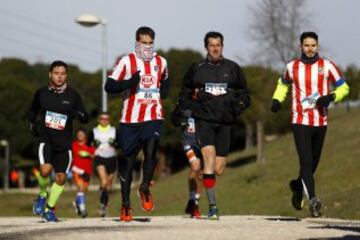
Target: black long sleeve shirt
<point>54,113</point>
<point>212,91</point>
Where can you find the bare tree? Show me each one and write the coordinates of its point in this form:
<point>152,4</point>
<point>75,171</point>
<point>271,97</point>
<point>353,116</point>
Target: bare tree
<point>275,29</point>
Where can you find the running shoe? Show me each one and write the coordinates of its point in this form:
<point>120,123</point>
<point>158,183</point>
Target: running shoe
<point>102,210</point>
<point>314,207</point>
<point>39,205</point>
<point>49,216</point>
<point>213,213</point>
<point>193,209</point>
<point>297,191</point>
<point>126,214</point>
<point>147,203</point>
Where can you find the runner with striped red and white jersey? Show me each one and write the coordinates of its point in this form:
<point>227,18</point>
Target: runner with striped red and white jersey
<point>142,78</point>
<point>310,80</point>
<point>315,82</point>
<point>141,103</point>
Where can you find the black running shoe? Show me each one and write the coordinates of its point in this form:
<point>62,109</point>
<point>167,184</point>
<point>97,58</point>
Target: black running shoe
<point>297,197</point>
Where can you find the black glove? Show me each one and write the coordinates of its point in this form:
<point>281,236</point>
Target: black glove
<point>241,103</point>
<point>112,142</point>
<point>82,116</point>
<point>34,129</point>
<point>177,116</point>
<point>134,80</point>
<point>97,143</point>
<point>275,106</point>
<point>324,101</point>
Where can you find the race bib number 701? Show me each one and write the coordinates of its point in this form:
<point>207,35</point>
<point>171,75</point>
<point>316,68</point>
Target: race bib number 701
<point>55,120</point>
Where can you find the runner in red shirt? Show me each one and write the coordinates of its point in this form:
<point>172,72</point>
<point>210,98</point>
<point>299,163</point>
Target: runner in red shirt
<point>82,169</point>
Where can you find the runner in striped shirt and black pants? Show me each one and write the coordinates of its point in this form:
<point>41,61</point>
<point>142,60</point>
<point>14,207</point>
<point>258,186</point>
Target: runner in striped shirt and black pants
<point>142,78</point>
<point>311,79</point>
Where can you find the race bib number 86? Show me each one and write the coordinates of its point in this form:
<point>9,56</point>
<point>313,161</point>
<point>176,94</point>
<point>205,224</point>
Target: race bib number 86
<point>55,120</point>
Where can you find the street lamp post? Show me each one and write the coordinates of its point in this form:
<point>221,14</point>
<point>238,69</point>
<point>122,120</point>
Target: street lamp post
<point>90,20</point>
<point>6,144</point>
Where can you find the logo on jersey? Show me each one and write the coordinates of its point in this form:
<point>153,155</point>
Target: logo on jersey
<point>156,68</point>
<point>147,80</point>
<point>321,71</point>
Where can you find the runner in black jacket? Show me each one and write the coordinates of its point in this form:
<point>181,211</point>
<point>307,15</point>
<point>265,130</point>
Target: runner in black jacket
<point>53,109</point>
<point>215,90</point>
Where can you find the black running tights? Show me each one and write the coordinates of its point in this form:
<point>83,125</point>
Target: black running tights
<point>309,142</point>
<point>148,168</point>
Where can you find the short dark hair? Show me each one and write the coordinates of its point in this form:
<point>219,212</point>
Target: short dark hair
<point>144,31</point>
<point>213,35</point>
<point>308,35</point>
<point>104,113</point>
<point>57,63</point>
<point>80,129</point>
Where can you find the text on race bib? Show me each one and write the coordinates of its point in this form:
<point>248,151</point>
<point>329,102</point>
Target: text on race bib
<point>55,120</point>
<point>308,103</point>
<point>148,92</point>
<point>216,89</point>
<point>191,125</point>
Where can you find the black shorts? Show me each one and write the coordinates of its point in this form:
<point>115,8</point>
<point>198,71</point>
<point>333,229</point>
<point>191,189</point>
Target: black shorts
<point>108,163</point>
<point>132,136</point>
<point>214,134</point>
<point>189,141</point>
<point>60,160</point>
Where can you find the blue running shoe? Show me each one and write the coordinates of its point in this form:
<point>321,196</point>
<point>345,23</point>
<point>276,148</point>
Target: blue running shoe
<point>49,216</point>
<point>39,205</point>
<point>213,213</point>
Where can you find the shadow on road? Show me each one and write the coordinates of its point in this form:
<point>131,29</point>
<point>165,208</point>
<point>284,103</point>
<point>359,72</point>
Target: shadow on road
<point>347,237</point>
<point>136,219</point>
<point>284,219</point>
<point>338,227</point>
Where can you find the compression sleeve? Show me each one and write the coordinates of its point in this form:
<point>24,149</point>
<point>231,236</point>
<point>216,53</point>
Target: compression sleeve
<point>281,90</point>
<point>341,90</point>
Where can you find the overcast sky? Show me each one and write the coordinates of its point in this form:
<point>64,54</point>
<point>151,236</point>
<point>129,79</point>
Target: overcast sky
<point>44,30</point>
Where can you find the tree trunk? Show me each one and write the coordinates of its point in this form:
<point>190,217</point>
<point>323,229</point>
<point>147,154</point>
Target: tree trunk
<point>249,139</point>
<point>260,141</point>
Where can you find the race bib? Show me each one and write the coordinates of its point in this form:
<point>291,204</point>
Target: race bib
<point>308,103</point>
<point>216,89</point>
<point>55,120</point>
<point>191,125</point>
<point>148,92</point>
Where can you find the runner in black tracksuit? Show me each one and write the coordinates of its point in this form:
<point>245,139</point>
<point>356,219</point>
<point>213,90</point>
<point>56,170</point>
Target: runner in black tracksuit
<point>53,109</point>
<point>215,90</point>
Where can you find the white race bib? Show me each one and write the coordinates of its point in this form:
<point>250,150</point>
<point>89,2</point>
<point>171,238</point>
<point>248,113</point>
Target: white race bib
<point>191,125</point>
<point>216,89</point>
<point>308,103</point>
<point>55,120</point>
<point>148,91</point>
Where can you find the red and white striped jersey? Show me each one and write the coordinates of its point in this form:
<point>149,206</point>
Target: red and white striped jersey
<point>310,81</point>
<point>141,103</point>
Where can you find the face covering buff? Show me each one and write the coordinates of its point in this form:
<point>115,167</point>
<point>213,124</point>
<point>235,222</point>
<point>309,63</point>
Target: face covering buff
<point>144,51</point>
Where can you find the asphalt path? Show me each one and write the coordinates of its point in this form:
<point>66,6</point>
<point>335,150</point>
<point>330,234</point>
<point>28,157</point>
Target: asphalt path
<point>180,227</point>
